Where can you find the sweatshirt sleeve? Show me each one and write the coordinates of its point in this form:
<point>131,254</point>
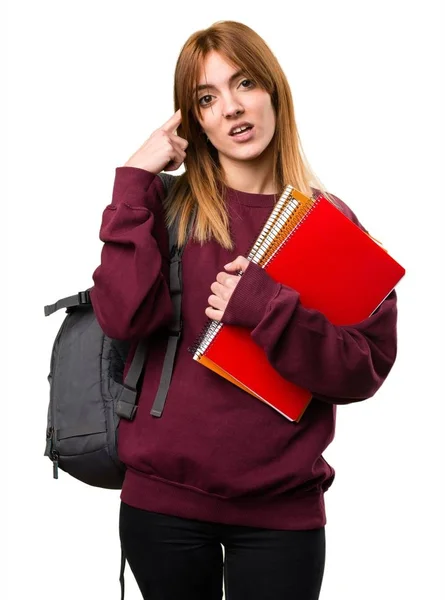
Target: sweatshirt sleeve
<point>337,364</point>
<point>131,295</point>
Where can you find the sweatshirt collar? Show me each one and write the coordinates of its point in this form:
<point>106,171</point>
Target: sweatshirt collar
<point>248,199</point>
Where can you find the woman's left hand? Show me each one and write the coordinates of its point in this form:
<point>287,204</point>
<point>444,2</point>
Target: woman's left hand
<point>223,288</point>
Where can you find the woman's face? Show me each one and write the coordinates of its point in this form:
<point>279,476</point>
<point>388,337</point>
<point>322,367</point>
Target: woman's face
<point>229,101</point>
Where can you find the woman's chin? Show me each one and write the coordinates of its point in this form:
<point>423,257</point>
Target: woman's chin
<point>243,154</point>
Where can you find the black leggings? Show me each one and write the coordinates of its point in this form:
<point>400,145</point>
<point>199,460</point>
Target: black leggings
<point>181,559</point>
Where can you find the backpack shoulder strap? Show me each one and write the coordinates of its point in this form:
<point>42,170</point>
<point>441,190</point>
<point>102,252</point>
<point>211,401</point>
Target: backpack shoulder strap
<point>126,406</point>
<point>176,326</point>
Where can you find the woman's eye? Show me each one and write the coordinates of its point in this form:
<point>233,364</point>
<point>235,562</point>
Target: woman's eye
<point>205,100</point>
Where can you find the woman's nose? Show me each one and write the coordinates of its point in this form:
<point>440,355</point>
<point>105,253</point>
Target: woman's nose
<point>232,108</point>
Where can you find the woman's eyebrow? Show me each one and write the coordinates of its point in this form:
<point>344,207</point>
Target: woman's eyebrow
<point>206,86</point>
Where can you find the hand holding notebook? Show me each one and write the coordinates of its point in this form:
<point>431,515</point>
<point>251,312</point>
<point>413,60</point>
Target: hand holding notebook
<point>307,244</point>
<point>224,286</point>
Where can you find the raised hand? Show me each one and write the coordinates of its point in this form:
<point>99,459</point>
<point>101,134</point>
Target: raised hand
<point>163,150</point>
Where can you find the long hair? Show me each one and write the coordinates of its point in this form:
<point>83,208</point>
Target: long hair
<point>202,185</point>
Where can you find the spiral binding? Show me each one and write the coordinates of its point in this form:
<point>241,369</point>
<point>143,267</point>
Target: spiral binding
<point>270,221</point>
<point>205,338</point>
<point>293,225</point>
<point>276,229</point>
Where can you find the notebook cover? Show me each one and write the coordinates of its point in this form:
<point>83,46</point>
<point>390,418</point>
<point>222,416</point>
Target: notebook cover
<point>337,269</point>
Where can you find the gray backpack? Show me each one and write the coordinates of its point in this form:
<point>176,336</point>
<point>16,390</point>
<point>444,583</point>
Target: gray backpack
<point>87,393</point>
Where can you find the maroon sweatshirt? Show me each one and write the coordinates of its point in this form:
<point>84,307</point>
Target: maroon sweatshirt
<point>217,453</point>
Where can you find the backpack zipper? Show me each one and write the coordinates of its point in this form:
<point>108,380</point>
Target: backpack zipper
<point>53,454</point>
<point>51,431</point>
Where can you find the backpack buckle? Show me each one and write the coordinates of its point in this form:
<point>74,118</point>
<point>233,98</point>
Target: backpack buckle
<point>126,405</point>
<point>84,297</point>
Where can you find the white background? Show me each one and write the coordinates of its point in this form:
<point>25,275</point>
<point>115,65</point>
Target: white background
<point>87,84</point>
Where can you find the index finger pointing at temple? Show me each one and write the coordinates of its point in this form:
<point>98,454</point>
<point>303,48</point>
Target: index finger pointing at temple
<point>173,123</point>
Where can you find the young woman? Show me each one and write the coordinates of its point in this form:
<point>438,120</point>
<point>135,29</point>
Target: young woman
<point>220,468</point>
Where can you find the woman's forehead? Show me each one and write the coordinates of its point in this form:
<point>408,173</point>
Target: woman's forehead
<point>215,69</point>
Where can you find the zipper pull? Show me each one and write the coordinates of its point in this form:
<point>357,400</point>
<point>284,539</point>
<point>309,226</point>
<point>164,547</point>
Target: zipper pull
<point>49,443</point>
<point>55,457</point>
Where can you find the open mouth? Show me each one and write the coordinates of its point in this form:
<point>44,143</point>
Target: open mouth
<point>240,130</point>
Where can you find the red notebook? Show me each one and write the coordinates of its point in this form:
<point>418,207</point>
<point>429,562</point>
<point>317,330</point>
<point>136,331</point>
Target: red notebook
<point>336,267</point>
